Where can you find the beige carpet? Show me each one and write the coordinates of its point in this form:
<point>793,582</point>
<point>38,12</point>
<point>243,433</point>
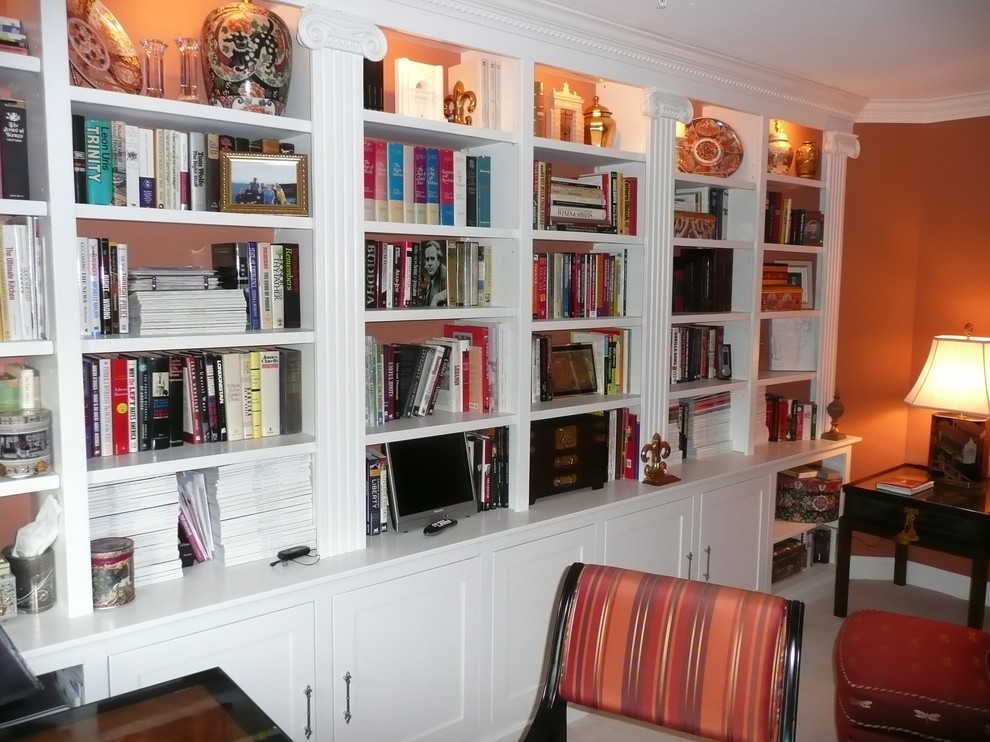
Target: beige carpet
<point>815,723</point>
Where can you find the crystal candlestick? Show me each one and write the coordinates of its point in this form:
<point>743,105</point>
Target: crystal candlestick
<point>188,68</point>
<point>154,67</point>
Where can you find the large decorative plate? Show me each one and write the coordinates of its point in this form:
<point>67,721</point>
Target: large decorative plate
<point>709,147</point>
<point>100,53</point>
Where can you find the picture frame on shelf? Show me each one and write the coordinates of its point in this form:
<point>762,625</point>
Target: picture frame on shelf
<point>256,183</point>
<point>802,273</point>
<point>813,232</point>
<point>572,369</point>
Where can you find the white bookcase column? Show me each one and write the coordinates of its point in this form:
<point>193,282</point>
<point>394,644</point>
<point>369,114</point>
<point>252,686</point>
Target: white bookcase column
<point>339,44</point>
<point>664,111</point>
<point>838,148</point>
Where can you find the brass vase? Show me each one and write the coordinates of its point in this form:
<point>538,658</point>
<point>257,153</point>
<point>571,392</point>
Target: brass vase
<point>807,158</point>
<point>599,126</point>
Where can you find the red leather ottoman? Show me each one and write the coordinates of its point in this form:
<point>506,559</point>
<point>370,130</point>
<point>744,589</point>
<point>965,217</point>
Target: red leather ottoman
<point>905,678</point>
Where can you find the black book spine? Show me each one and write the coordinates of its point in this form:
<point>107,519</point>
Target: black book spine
<point>218,372</point>
<point>106,290</point>
<point>14,149</point>
<point>471,168</point>
<point>371,248</point>
<point>79,157</point>
<point>160,402</point>
<point>291,294</point>
<point>176,400</point>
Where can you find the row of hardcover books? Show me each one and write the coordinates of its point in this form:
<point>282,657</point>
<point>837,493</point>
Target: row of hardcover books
<point>437,273</point>
<point>702,280</point>
<point>595,202</point>
<point>413,184</point>
<point>784,224</point>
<point>23,282</point>
<point>610,348</point>
<point>579,284</point>
<point>696,352</point>
<point>455,372</point>
<point>791,419</point>
<point>151,401</point>
<point>268,274</point>
<point>121,164</point>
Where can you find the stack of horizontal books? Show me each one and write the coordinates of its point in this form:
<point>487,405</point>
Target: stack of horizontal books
<point>183,300</point>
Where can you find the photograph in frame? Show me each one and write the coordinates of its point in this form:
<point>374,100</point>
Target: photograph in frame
<point>572,369</point>
<point>256,183</point>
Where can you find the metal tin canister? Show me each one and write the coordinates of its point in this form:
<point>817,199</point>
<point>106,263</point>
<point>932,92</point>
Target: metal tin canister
<point>25,443</point>
<point>113,571</point>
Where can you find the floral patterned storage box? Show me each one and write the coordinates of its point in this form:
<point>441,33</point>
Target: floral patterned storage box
<point>809,500</point>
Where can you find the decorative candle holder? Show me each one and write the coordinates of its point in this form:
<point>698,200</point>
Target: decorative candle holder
<point>154,67</point>
<point>188,68</point>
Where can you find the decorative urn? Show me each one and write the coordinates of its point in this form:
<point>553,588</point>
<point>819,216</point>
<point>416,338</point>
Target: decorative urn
<point>806,160</point>
<point>599,126</point>
<point>247,58</point>
<point>780,153</point>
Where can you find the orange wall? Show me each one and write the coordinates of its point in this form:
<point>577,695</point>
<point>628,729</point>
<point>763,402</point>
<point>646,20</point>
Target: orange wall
<point>915,264</point>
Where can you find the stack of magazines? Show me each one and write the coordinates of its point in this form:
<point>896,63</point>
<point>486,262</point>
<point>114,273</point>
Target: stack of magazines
<point>182,300</point>
<point>143,510</point>
<point>251,517</point>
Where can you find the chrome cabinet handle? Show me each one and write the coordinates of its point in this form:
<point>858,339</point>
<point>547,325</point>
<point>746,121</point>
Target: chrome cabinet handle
<point>347,709</point>
<point>708,563</point>
<point>308,729</point>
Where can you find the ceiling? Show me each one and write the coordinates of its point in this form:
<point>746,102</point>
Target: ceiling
<point>880,50</point>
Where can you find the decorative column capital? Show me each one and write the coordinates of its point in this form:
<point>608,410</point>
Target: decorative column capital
<point>840,143</point>
<point>664,105</point>
<point>325,28</point>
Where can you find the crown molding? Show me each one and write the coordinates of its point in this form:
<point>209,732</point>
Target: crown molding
<point>975,105</point>
<point>543,21</point>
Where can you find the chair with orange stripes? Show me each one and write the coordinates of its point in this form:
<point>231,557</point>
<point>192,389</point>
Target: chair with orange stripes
<point>717,662</point>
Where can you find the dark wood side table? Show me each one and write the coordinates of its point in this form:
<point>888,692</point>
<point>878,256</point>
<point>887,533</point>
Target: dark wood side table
<point>953,520</point>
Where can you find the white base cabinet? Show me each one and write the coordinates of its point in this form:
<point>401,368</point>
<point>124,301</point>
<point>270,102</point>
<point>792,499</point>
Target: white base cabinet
<point>526,579</point>
<point>733,522</point>
<point>406,657</point>
<point>271,656</point>
<point>657,539</point>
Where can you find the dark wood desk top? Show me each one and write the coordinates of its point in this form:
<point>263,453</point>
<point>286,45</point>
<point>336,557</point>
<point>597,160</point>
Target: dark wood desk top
<point>206,705</point>
<point>974,499</point>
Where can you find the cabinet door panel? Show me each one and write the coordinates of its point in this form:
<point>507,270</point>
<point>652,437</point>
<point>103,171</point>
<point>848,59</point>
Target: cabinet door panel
<point>271,657</point>
<point>410,648</point>
<point>526,580</point>
<point>654,540</point>
<point>732,525</point>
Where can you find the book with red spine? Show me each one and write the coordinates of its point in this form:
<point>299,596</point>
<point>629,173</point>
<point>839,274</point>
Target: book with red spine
<point>446,192</point>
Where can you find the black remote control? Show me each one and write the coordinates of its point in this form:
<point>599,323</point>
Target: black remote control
<point>439,525</point>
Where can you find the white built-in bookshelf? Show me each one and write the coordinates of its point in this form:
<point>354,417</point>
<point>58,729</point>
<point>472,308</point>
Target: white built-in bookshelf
<point>623,522</point>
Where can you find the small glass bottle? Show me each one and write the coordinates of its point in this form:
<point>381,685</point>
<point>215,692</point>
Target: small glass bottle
<point>188,68</point>
<point>154,67</point>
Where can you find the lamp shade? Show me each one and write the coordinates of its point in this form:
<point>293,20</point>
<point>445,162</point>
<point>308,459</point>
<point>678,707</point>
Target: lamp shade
<point>956,376</point>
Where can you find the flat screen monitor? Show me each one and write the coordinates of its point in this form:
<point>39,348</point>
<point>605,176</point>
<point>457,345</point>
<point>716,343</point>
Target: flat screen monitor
<point>428,479</point>
<point>16,678</point>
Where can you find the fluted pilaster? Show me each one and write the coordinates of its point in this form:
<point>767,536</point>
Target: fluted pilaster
<point>664,111</point>
<point>339,42</point>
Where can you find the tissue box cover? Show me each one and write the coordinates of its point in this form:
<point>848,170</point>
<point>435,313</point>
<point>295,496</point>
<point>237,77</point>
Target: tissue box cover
<point>809,500</point>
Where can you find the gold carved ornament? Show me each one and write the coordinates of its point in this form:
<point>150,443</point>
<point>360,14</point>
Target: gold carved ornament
<point>459,104</point>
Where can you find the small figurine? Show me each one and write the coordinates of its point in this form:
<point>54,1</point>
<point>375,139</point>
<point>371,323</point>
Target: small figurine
<point>653,455</point>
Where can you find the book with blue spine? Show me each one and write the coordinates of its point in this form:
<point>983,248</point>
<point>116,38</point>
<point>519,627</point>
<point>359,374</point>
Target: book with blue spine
<point>254,276</point>
<point>99,162</point>
<point>396,204</point>
<point>484,177</point>
<point>419,184</point>
<point>432,185</point>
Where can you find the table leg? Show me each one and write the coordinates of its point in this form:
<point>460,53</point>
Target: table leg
<point>843,545</point>
<point>900,564</point>
<point>977,592</point>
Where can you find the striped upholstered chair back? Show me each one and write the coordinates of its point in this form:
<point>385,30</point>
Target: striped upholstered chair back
<point>717,662</point>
